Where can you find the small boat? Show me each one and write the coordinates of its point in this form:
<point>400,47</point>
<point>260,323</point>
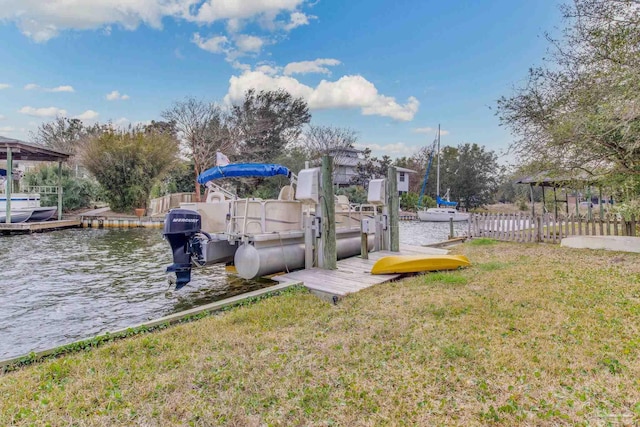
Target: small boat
<point>44,213</point>
<point>418,263</point>
<point>18,215</point>
<point>442,215</point>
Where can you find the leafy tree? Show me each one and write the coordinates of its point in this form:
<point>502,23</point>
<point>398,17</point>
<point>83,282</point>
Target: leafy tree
<point>203,128</point>
<point>579,110</point>
<point>371,168</point>
<point>266,122</point>
<point>77,192</point>
<point>355,193</point>
<point>127,163</point>
<point>179,179</point>
<point>472,174</point>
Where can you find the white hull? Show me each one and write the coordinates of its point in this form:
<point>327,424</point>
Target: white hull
<point>442,215</point>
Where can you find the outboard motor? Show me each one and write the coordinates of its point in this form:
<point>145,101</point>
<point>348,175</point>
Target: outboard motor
<point>180,228</point>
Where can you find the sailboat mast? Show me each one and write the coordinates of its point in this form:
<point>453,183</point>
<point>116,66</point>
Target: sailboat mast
<point>438,168</point>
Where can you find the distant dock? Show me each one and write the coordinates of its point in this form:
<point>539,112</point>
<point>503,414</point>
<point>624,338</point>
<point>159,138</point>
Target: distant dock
<point>37,227</point>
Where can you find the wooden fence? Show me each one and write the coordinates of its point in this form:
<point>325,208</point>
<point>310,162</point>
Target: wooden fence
<point>161,205</point>
<point>546,228</point>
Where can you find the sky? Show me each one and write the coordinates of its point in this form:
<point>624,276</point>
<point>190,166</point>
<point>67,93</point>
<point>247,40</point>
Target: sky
<point>391,71</point>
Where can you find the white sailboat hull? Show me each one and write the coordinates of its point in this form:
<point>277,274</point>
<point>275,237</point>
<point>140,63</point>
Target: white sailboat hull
<point>442,215</point>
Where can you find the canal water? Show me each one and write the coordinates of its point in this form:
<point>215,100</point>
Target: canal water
<point>68,285</point>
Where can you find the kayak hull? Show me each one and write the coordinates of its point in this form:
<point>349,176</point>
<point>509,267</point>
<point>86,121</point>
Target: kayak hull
<point>418,263</point>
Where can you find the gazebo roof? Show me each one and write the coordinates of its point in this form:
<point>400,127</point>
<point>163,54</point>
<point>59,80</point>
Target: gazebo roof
<point>546,179</point>
<point>27,151</point>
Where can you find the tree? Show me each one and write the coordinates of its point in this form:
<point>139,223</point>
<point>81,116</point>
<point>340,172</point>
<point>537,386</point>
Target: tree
<point>472,174</point>
<point>127,163</point>
<point>329,140</point>
<point>580,110</point>
<point>266,122</point>
<point>203,129</point>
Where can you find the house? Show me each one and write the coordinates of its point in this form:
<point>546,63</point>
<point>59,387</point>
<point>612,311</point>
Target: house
<point>345,163</point>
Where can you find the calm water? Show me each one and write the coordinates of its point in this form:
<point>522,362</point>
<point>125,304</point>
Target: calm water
<point>67,285</point>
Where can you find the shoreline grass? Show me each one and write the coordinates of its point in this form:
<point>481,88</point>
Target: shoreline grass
<point>530,334</point>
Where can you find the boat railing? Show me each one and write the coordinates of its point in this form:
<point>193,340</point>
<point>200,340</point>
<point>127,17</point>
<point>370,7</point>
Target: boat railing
<point>257,216</point>
<point>41,189</point>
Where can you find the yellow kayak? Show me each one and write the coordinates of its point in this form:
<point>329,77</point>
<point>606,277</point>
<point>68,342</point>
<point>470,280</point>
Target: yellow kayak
<point>418,263</point>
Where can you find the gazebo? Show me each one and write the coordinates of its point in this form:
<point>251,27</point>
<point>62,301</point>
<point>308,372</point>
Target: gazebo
<point>546,180</point>
<point>13,149</point>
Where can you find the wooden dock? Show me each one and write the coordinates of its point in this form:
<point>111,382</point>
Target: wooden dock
<point>36,227</point>
<point>352,275</point>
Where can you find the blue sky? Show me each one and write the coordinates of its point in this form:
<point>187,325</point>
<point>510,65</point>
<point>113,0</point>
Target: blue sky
<point>389,70</point>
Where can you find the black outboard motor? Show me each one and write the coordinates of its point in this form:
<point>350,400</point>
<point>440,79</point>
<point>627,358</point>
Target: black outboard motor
<point>180,228</point>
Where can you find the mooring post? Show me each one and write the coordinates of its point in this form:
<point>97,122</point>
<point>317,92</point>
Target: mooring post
<point>394,208</point>
<point>364,245</point>
<point>59,191</point>
<point>327,203</point>
<point>9,182</point>
<point>451,228</point>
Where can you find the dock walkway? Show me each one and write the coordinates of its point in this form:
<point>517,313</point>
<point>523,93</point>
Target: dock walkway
<point>34,227</point>
<point>352,275</point>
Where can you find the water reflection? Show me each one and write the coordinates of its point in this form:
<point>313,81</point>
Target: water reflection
<point>67,285</point>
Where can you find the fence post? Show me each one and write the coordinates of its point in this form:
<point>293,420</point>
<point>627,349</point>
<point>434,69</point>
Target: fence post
<point>538,220</point>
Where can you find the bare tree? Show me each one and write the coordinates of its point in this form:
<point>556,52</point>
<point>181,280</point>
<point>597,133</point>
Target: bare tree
<point>203,129</point>
<point>267,121</point>
<point>321,140</point>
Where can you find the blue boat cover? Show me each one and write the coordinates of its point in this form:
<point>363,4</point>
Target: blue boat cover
<point>3,172</point>
<point>239,170</point>
<point>445,202</point>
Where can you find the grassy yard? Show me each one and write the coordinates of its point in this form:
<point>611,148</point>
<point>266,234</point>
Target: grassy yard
<point>531,334</point>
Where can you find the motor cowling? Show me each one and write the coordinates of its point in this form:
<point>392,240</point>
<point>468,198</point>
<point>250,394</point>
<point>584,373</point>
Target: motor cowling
<point>180,228</point>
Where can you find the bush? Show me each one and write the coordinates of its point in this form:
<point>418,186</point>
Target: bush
<point>356,194</point>
<point>128,163</point>
<point>409,202</point>
<point>77,193</point>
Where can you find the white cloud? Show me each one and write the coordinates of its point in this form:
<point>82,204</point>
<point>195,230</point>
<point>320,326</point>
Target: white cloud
<point>116,96</point>
<point>43,112</point>
<point>7,129</point>
<point>2,117</point>
<point>4,86</point>
<point>267,69</point>
<point>61,89</point>
<point>33,86</point>
<point>42,20</point>
<point>87,115</point>
<point>305,67</point>
<point>122,121</point>
<point>428,130</point>
<point>346,92</point>
<point>246,43</point>
<point>298,19</point>
<point>215,44</point>
<point>215,10</point>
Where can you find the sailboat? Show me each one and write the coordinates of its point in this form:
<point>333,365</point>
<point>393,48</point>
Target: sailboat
<point>446,210</point>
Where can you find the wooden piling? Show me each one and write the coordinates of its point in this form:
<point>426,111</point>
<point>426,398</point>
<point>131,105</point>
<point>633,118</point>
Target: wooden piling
<point>394,208</point>
<point>327,202</point>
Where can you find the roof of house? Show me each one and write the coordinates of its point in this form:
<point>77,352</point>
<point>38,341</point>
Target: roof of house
<point>21,150</point>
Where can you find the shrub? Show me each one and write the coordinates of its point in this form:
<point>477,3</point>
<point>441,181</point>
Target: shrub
<point>127,164</point>
<point>77,192</point>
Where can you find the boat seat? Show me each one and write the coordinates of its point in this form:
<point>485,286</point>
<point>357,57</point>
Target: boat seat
<point>215,196</point>
<point>342,202</point>
<point>286,193</point>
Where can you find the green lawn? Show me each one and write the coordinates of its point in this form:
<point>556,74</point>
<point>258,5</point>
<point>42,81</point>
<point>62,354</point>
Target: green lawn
<point>531,334</point>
